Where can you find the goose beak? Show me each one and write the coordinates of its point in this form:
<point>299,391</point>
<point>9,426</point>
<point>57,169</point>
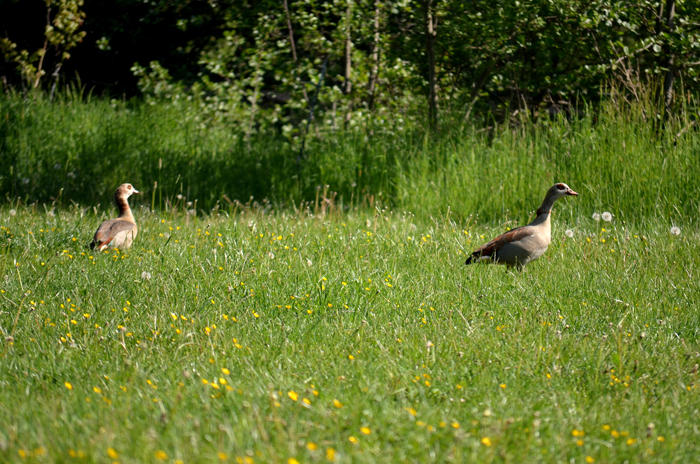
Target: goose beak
<point>571,192</point>
<point>136,191</point>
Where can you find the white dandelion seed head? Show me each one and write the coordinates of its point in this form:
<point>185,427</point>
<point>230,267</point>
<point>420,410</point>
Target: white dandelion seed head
<point>309,262</point>
<point>51,213</point>
<point>71,175</point>
<point>179,196</point>
<point>25,181</point>
<point>13,212</point>
<point>569,233</point>
<point>57,166</point>
<point>428,344</point>
<point>145,275</point>
<point>675,230</point>
<point>271,255</point>
<point>596,216</point>
<point>189,203</point>
<point>607,217</point>
<point>368,223</point>
<point>191,212</point>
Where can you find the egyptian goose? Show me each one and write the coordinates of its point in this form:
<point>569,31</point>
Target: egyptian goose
<point>519,246</point>
<point>119,232</point>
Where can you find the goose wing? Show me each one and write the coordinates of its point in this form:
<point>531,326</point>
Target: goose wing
<point>108,230</point>
<point>488,250</point>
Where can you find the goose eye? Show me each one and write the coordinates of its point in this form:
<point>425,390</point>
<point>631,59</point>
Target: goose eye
<point>560,187</point>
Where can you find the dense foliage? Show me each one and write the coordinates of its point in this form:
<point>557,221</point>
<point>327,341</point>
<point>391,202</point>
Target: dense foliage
<point>255,63</point>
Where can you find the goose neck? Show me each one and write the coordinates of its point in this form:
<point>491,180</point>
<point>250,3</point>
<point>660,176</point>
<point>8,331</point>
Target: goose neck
<point>124,209</point>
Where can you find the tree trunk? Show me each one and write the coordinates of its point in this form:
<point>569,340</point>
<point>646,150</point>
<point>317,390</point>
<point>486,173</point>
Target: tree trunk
<point>294,48</point>
<point>374,72</point>
<point>430,38</point>
<point>254,102</point>
<point>37,76</point>
<point>348,61</point>
<point>291,31</point>
<point>668,79</point>
<point>660,19</point>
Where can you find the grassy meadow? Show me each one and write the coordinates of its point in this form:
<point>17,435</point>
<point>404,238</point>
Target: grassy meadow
<point>320,311</point>
<point>345,337</point>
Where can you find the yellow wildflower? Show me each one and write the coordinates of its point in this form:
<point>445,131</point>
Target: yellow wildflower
<point>330,454</point>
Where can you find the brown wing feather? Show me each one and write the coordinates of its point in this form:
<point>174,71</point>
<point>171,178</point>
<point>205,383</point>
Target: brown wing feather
<point>490,248</point>
<point>108,230</point>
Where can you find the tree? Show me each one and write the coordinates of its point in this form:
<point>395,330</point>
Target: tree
<point>63,21</point>
<point>430,20</point>
<point>255,62</point>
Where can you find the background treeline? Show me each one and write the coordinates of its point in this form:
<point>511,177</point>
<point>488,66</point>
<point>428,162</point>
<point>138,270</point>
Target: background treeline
<point>421,105</point>
<point>256,63</point>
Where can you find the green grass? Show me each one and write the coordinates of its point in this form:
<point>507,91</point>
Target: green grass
<point>79,148</point>
<point>272,336</point>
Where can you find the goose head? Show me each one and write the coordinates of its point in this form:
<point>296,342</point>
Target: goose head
<point>125,191</point>
<point>560,190</point>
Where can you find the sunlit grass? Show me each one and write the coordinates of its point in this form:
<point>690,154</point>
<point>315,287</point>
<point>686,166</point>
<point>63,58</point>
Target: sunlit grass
<point>363,337</point>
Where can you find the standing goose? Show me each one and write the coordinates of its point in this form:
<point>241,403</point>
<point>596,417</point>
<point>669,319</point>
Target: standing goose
<point>524,244</point>
<point>119,232</point>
